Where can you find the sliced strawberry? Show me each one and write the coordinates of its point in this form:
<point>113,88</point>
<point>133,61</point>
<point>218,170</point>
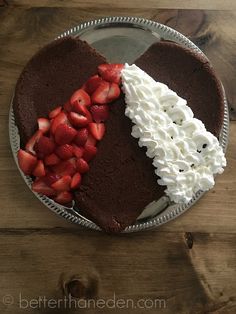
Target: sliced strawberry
<point>60,119</point>
<point>83,111</point>
<point>39,170</point>
<point>64,134</point>
<point>78,151</point>
<point>43,124</point>
<point>97,130</point>
<point>114,92</point>
<point>64,151</point>
<point>81,137</point>
<point>45,146</point>
<point>51,160</point>
<point>26,161</point>
<point>63,184</point>
<point>82,165</point>
<point>65,167</point>
<point>64,198</point>
<point>50,178</point>
<point>55,112</point>
<point>80,97</point>
<point>91,140</point>
<point>72,162</point>
<point>32,141</point>
<point>111,72</point>
<point>68,106</point>
<point>92,84</point>
<point>89,152</point>
<point>100,94</point>
<point>40,186</point>
<point>76,180</point>
<point>100,113</point>
<point>77,120</point>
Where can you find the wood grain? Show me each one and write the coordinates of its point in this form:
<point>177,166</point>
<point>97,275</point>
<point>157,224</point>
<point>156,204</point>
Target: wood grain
<point>199,280</point>
<point>148,4</point>
<point>191,261</point>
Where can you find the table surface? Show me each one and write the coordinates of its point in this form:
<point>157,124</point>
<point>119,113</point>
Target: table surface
<point>190,262</point>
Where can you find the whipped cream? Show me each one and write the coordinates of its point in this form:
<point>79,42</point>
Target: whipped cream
<point>186,156</point>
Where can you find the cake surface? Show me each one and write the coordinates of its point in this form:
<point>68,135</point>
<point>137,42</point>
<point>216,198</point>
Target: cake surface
<point>121,180</point>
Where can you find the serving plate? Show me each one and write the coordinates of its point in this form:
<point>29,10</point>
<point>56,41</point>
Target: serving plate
<point>120,40</point>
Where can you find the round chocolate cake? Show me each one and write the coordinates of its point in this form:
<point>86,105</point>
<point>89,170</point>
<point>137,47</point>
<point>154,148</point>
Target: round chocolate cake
<point>121,180</point>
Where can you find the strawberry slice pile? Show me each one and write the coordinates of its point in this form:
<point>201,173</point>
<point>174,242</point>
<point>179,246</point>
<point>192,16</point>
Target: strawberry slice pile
<point>59,152</point>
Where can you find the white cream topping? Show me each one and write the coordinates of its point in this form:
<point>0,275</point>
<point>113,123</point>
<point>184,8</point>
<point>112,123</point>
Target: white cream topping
<point>186,156</point>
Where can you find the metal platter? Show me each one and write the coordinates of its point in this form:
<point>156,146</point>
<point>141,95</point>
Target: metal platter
<point>122,39</point>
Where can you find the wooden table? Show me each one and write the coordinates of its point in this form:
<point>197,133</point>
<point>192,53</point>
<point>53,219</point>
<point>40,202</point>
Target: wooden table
<point>190,262</point>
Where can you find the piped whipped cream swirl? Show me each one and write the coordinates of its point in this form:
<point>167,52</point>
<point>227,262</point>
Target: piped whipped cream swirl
<point>186,156</point>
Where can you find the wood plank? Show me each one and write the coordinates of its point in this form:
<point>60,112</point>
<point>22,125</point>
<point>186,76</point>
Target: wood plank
<point>215,212</point>
<point>204,284</point>
<point>208,29</point>
<point>150,4</point>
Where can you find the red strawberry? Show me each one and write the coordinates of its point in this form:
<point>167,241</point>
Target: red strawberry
<point>51,160</point>
<point>78,108</point>
<point>76,180</point>
<point>89,152</point>
<point>40,186</point>
<point>81,137</point>
<point>97,130</point>
<point>43,124</point>
<point>64,198</point>
<point>64,151</point>
<point>68,106</point>
<point>64,134</point>
<point>91,140</point>
<point>44,147</point>
<point>50,178</point>
<point>100,94</point>
<point>77,120</point>
<point>114,92</point>
<point>82,165</point>
<point>110,72</point>
<point>65,167</point>
<point>39,170</point>
<point>32,141</point>
<point>72,162</point>
<point>92,84</point>
<point>100,113</point>
<point>80,97</point>
<point>63,184</point>
<point>26,161</point>
<point>78,151</point>
<point>60,119</point>
<point>55,112</point>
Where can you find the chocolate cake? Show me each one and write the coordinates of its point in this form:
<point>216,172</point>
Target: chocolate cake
<point>121,180</point>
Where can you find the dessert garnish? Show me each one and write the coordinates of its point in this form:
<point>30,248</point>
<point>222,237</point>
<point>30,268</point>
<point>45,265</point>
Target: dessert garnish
<point>59,152</point>
<point>186,156</point>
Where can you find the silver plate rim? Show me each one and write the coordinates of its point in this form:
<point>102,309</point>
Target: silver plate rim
<point>165,216</point>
